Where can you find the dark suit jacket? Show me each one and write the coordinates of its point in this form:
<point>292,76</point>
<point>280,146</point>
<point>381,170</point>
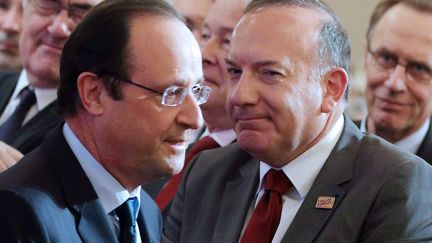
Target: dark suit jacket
<point>47,197</point>
<point>382,195</point>
<point>425,149</point>
<point>33,132</point>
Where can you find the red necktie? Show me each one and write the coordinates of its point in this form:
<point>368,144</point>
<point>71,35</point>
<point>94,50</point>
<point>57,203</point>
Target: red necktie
<point>168,192</point>
<point>266,216</point>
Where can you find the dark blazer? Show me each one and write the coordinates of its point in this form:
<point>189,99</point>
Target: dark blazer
<point>381,196</point>
<point>425,149</point>
<point>33,132</point>
<point>47,197</point>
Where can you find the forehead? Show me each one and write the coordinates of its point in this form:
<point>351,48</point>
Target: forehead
<point>405,31</point>
<point>275,33</point>
<point>191,8</point>
<point>12,2</point>
<point>163,49</point>
<point>225,13</point>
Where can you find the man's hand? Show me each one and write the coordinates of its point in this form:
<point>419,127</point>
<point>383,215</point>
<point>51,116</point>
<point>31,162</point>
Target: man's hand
<point>8,156</point>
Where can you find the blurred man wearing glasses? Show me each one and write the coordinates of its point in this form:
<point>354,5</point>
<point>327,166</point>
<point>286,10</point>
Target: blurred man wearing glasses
<point>130,90</point>
<point>10,27</point>
<point>27,99</point>
<point>398,65</point>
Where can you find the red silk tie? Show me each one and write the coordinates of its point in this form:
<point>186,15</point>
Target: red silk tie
<point>168,192</point>
<point>266,216</point>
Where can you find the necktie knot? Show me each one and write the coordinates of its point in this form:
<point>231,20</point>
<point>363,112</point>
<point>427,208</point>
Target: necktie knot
<point>276,180</point>
<point>266,217</point>
<point>27,98</point>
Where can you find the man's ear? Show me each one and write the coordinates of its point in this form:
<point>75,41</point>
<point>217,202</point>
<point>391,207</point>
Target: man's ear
<point>335,83</point>
<point>91,89</point>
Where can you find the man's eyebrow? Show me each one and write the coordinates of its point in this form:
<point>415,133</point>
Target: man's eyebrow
<point>230,62</point>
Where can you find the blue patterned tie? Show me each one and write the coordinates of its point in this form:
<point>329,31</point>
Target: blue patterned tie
<point>9,128</point>
<point>128,225</point>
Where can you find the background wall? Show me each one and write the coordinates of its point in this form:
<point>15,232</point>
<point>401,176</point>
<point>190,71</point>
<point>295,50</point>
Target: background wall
<point>354,15</point>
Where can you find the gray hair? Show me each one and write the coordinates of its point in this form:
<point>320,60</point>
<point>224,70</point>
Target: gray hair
<point>334,45</point>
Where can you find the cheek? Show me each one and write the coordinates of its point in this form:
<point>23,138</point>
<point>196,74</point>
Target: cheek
<point>422,96</point>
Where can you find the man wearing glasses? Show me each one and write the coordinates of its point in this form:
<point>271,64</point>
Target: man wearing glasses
<point>398,67</point>
<point>27,99</point>
<point>130,90</point>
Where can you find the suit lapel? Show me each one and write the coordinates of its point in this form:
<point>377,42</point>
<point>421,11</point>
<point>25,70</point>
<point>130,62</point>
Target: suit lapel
<point>235,203</point>
<point>7,87</point>
<point>149,220</point>
<point>93,224</point>
<point>425,148</point>
<point>337,170</point>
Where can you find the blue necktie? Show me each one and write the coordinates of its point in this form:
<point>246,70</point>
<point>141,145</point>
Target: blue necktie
<point>128,225</point>
<point>11,126</point>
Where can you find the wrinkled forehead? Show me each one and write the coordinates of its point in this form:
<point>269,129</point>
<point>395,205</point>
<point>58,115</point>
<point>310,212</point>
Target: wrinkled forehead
<point>276,30</point>
<point>162,48</point>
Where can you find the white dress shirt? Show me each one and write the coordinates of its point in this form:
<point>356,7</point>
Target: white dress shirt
<point>110,192</point>
<point>44,97</point>
<point>223,138</point>
<point>412,142</point>
<point>302,172</point>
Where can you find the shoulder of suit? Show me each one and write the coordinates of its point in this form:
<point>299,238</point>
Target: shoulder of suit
<point>9,76</point>
<point>377,150</point>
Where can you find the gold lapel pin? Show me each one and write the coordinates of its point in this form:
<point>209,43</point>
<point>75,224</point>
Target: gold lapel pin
<point>325,202</point>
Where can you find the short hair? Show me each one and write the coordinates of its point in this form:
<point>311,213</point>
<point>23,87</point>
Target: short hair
<point>99,44</point>
<point>334,44</point>
<point>384,5</point>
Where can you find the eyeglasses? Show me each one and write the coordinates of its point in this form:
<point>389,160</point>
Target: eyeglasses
<point>175,95</point>
<point>416,72</point>
<point>76,11</point>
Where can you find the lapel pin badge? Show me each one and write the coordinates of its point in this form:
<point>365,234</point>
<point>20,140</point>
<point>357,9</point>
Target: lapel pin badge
<point>325,202</point>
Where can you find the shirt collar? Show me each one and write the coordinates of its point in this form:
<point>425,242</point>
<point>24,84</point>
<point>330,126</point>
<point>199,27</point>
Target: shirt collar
<point>21,84</point>
<point>410,143</point>
<point>110,192</point>
<point>44,97</point>
<point>303,170</point>
<point>223,138</point>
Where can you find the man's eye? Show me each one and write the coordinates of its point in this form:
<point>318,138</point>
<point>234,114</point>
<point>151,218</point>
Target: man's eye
<point>4,5</point>
<point>386,59</point>
<point>234,71</point>
<point>271,73</point>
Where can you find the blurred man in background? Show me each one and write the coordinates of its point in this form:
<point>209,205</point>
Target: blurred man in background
<point>27,99</point>
<point>398,64</point>
<point>194,12</point>
<point>10,27</point>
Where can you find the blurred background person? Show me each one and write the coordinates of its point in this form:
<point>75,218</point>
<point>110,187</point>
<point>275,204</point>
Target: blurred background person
<point>10,27</point>
<point>398,65</point>
<point>194,12</point>
<point>28,98</point>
